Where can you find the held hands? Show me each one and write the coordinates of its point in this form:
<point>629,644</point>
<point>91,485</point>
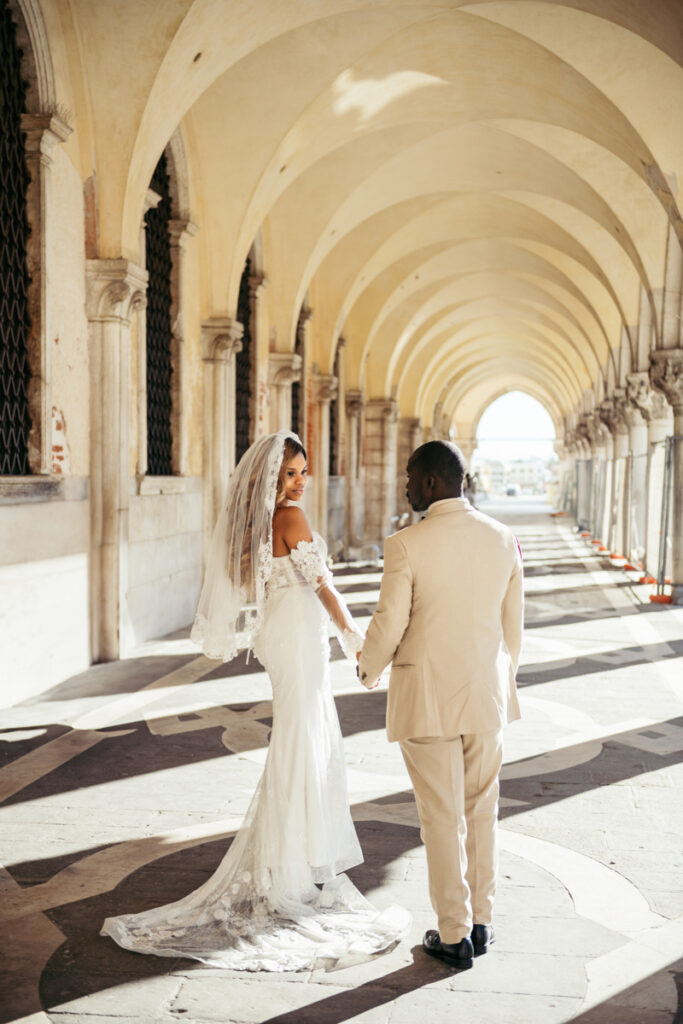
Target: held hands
<point>368,686</point>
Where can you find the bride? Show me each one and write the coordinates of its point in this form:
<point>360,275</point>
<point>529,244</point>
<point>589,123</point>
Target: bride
<point>279,900</point>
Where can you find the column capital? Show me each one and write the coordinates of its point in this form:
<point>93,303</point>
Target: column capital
<point>592,430</point>
<point>666,375</point>
<point>611,413</point>
<point>643,396</point>
<point>382,409</point>
<point>283,368</point>
<point>354,401</point>
<point>305,314</point>
<point>43,132</point>
<point>180,230</point>
<point>324,387</point>
<point>221,339</point>
<point>257,282</point>
<point>115,289</point>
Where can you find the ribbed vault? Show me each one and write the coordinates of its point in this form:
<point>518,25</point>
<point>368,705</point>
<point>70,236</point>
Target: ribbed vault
<point>477,196</point>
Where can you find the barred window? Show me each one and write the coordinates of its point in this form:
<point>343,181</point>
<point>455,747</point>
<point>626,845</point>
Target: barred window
<point>334,420</point>
<point>15,422</point>
<point>159,340</point>
<point>243,375</point>
<point>296,385</point>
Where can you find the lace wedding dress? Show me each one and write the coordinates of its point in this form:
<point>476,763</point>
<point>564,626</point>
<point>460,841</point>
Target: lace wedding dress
<point>279,900</point>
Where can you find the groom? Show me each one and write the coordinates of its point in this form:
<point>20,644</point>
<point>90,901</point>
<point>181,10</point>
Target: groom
<point>449,617</point>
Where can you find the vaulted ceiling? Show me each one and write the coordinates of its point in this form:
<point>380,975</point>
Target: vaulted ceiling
<point>476,196</point>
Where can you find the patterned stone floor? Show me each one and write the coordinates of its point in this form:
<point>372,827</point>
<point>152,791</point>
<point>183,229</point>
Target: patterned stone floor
<point>120,789</point>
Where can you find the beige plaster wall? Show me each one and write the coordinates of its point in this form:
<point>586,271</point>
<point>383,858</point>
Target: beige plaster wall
<point>44,613</point>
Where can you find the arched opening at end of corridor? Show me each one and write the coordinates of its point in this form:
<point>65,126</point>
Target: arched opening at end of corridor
<point>514,459</point>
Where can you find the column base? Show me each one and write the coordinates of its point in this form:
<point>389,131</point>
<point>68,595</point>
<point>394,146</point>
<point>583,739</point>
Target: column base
<point>677,594</point>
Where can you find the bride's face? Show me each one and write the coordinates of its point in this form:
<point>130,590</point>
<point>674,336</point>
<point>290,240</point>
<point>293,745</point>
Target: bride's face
<point>296,478</point>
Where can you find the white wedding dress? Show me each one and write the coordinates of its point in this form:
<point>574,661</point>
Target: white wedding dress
<point>262,908</point>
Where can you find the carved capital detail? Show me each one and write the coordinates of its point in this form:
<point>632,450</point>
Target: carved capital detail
<point>592,430</point>
<point>221,339</point>
<point>258,282</point>
<point>180,230</point>
<point>43,132</point>
<point>382,409</point>
<point>115,289</point>
<point>611,413</point>
<point>283,368</point>
<point>354,401</point>
<point>324,387</point>
<point>666,374</point>
<point>643,396</point>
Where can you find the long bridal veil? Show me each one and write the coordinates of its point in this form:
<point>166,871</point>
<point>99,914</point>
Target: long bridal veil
<point>240,554</point>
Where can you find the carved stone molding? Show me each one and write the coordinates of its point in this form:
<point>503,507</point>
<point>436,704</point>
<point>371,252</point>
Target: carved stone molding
<point>305,315</point>
<point>382,409</point>
<point>258,282</point>
<point>641,394</point>
<point>354,401</point>
<point>221,339</point>
<point>283,368</point>
<point>611,413</point>
<point>43,132</point>
<point>324,387</point>
<point>666,374</point>
<point>116,289</point>
<point>180,230</point>
<point>592,430</point>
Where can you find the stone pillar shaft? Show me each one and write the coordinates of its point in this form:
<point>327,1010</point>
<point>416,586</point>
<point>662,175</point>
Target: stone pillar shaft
<point>283,369</point>
<point>323,389</point>
<point>220,344</point>
<point>381,415</point>
<point>354,503</point>
<point>115,291</point>
<point>666,374</point>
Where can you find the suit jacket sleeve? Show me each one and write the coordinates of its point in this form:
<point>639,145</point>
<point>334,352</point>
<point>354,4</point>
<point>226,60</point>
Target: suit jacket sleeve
<point>513,612</point>
<point>392,615</point>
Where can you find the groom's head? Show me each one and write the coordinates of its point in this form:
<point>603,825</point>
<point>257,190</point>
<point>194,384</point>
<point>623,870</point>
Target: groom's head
<point>435,471</point>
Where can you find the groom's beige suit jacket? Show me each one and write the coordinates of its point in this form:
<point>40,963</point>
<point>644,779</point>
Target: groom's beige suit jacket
<point>449,618</point>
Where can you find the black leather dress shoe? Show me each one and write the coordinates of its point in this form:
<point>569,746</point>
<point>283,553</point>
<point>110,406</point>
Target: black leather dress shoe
<point>455,954</point>
<point>482,936</point>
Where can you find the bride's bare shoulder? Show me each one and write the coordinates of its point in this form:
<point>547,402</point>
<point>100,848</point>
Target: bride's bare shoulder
<point>290,522</point>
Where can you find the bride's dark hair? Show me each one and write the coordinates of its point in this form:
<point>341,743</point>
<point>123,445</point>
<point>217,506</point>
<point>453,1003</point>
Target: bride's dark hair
<point>292,449</point>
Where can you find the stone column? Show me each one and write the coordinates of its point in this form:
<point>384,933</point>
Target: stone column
<point>305,399</point>
<point>180,231</point>
<point>612,415</point>
<point>657,414</point>
<point>323,389</point>
<point>43,132</point>
<point>666,374</point>
<point>354,504</point>
<point>635,512</point>
<point>409,428</point>
<point>115,290</point>
<point>221,341</point>
<point>283,369</point>
<point>381,416</point>
<point>258,414</point>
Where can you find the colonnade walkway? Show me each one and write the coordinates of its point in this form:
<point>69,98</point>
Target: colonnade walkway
<point>122,786</point>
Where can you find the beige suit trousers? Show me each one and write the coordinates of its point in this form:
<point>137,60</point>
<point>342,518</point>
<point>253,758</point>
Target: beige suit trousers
<point>456,789</point>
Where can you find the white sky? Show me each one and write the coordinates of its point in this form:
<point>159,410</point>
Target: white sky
<point>515,426</point>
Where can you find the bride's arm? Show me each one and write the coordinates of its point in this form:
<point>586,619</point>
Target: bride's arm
<point>293,527</point>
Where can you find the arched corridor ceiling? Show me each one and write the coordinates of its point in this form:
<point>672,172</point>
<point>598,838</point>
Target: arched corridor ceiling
<point>474,195</point>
